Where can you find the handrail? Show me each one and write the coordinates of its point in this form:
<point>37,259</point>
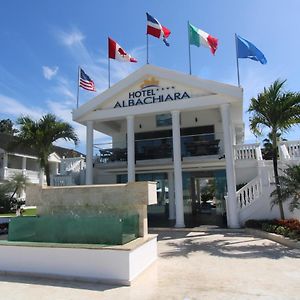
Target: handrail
<point>292,148</point>
<point>249,193</point>
<point>248,151</point>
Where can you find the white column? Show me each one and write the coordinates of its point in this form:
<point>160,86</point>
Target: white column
<point>177,169</point>
<point>89,152</point>
<point>41,176</point>
<point>24,160</point>
<point>231,202</point>
<point>5,164</point>
<point>130,149</point>
<point>172,212</point>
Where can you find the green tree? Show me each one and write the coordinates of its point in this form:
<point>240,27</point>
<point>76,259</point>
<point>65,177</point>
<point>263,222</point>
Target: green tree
<point>5,202</point>
<point>40,135</point>
<point>17,184</point>
<point>9,190</point>
<point>277,110</point>
<point>267,150</point>
<point>7,127</point>
<point>290,187</point>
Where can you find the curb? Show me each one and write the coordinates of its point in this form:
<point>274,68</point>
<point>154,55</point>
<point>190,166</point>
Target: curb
<point>196,229</point>
<point>274,237</point>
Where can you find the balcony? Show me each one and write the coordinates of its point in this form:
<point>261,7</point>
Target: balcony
<point>160,148</point>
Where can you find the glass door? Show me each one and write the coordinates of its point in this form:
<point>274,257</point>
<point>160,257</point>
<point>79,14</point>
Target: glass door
<point>204,202</point>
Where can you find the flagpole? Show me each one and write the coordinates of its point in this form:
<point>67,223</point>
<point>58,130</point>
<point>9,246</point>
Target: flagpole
<point>190,64</point>
<point>237,61</point>
<point>147,48</point>
<point>108,64</point>
<point>78,80</point>
<point>108,72</point>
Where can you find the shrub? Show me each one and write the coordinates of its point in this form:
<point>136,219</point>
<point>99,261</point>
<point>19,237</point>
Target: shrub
<point>269,227</point>
<point>289,228</point>
<point>293,224</point>
<point>5,202</point>
<point>258,223</point>
<point>253,224</point>
<point>282,230</point>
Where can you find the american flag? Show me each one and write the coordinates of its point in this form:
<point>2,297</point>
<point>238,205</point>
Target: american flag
<point>86,82</point>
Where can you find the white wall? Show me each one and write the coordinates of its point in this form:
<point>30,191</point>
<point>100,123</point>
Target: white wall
<point>115,266</point>
<point>245,173</point>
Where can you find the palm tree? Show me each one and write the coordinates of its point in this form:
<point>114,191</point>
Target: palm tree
<point>18,184</point>
<point>279,111</point>
<point>290,187</point>
<point>39,135</point>
<point>267,150</point>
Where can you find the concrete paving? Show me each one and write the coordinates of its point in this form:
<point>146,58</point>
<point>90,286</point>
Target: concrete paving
<point>208,264</point>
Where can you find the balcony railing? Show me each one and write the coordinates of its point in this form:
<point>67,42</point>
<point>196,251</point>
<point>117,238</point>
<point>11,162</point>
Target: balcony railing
<point>248,152</point>
<point>159,148</point>
<point>292,149</point>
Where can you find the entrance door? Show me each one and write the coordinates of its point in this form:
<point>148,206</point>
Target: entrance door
<point>204,202</point>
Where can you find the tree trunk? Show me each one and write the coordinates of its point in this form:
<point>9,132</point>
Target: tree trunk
<point>275,167</point>
<point>12,196</point>
<point>47,172</point>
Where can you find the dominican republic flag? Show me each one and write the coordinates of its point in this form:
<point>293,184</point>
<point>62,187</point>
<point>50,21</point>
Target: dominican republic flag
<point>86,82</point>
<point>115,51</point>
<point>199,38</point>
<point>156,29</point>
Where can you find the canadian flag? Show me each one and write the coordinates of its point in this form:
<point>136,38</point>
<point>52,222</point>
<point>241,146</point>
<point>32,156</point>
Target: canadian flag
<point>115,51</point>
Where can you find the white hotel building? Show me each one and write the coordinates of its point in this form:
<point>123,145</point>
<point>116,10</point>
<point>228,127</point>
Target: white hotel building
<point>187,134</point>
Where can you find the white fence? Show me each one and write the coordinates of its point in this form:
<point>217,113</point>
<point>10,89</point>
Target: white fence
<point>248,151</point>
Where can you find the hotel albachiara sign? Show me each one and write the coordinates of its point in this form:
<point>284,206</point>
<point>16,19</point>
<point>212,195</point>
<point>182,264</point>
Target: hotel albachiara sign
<point>150,93</point>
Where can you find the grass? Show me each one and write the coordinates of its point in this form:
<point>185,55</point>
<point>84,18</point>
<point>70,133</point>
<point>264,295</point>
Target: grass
<point>31,212</point>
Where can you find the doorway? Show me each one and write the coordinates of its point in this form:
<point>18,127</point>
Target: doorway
<point>204,202</point>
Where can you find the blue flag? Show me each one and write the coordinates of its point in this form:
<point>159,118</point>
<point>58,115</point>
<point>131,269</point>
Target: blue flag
<point>245,49</point>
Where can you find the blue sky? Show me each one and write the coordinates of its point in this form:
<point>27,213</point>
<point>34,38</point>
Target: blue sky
<point>43,42</point>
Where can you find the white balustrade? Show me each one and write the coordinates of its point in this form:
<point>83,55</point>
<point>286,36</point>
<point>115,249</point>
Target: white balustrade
<point>12,172</point>
<point>249,193</point>
<point>62,180</point>
<point>248,151</point>
<point>293,148</point>
<point>74,164</point>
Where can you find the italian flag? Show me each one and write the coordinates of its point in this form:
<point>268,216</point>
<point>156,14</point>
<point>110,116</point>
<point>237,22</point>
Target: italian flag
<point>199,38</point>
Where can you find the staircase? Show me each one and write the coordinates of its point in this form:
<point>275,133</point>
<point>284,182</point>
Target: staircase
<point>71,172</point>
<point>253,199</point>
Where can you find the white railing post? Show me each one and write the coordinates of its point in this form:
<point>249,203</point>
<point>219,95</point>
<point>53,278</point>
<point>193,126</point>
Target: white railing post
<point>248,151</point>
<point>249,193</point>
<point>292,149</point>
<point>258,153</point>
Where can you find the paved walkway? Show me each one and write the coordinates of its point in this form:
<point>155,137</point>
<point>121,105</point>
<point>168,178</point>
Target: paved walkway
<point>191,265</point>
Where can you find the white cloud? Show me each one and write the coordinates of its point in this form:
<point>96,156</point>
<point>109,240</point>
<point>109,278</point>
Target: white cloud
<point>12,107</point>
<point>49,73</point>
<point>64,88</point>
<point>64,112</point>
<point>70,39</point>
<point>95,64</point>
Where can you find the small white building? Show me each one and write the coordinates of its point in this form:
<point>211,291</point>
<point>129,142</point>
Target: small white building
<point>187,134</point>
<point>66,165</point>
<point>22,160</point>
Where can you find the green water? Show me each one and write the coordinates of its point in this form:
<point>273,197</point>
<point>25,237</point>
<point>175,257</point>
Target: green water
<point>80,229</point>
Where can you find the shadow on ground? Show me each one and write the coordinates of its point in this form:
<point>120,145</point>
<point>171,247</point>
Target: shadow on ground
<point>223,244</point>
<point>94,286</point>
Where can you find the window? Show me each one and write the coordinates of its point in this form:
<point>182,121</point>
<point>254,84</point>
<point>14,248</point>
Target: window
<point>163,120</point>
